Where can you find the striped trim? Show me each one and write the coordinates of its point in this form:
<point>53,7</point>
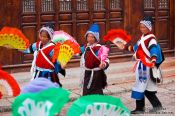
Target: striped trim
<point>137,95</point>
<point>43,69</point>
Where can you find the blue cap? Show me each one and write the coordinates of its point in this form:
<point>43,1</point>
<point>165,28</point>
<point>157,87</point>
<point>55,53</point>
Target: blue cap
<point>94,29</point>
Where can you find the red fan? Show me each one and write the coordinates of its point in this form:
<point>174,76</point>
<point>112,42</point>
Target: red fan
<point>8,85</point>
<point>13,38</point>
<point>56,52</point>
<point>74,45</point>
<point>117,36</point>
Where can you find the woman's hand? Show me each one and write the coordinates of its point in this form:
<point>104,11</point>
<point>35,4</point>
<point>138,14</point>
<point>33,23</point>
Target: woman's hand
<point>153,64</point>
<point>63,66</point>
<point>153,61</point>
<point>102,65</point>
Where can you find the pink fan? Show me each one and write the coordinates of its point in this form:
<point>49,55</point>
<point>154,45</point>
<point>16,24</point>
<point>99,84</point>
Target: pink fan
<point>103,53</point>
<point>61,37</point>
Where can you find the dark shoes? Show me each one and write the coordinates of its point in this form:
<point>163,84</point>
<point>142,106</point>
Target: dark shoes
<point>142,111</point>
<point>155,109</point>
<point>136,111</point>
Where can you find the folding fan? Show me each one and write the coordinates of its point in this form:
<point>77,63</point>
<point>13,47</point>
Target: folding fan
<point>67,50</point>
<point>117,36</point>
<point>61,36</point>
<point>56,52</point>
<point>44,103</point>
<point>98,105</point>
<point>8,85</point>
<point>13,38</point>
<point>103,53</point>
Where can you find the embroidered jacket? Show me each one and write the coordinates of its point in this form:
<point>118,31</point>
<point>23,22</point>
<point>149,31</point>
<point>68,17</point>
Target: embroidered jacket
<point>146,49</point>
<point>92,57</point>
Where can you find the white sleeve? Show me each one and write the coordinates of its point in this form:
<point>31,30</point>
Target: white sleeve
<point>152,42</point>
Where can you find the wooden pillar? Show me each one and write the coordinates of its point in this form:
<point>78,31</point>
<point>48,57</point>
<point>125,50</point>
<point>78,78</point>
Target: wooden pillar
<point>136,14</point>
<point>172,23</point>
<point>127,16</point>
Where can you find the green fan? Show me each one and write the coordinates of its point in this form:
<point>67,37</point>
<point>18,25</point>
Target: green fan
<point>98,105</point>
<point>45,103</point>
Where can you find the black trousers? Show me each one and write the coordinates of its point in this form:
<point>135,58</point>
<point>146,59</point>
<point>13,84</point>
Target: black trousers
<point>98,82</point>
<point>140,104</point>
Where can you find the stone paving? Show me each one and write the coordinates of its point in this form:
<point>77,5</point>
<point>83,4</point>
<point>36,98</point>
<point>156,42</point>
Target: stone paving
<point>120,79</point>
<point>166,94</point>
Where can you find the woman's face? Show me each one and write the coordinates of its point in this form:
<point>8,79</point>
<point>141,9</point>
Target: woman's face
<point>144,29</point>
<point>44,37</point>
<point>90,38</point>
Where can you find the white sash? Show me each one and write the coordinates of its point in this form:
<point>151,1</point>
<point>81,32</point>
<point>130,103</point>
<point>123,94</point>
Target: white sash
<point>33,67</point>
<point>142,42</point>
<point>85,68</point>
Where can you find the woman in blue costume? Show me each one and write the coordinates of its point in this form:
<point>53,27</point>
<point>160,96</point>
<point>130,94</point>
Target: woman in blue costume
<point>149,56</point>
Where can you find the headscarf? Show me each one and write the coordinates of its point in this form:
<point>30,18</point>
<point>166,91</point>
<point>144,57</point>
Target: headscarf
<point>147,21</point>
<point>48,29</point>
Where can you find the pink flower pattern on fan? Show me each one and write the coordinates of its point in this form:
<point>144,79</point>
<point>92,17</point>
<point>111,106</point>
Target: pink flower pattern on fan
<point>61,36</point>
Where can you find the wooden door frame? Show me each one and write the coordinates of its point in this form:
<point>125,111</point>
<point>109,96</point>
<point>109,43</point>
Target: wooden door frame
<point>172,28</point>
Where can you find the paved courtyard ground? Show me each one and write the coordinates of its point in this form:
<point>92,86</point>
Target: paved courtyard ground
<point>120,80</point>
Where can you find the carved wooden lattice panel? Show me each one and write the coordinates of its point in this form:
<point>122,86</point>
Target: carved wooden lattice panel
<point>149,4</point>
<point>28,6</point>
<point>115,4</point>
<point>65,5</point>
<point>98,5</point>
<point>82,5</point>
<point>47,5</point>
<point>163,4</point>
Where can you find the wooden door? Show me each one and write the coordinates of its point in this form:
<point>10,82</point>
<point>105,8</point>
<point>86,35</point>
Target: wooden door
<point>162,12</point>
<point>75,17</point>
<point>72,16</point>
